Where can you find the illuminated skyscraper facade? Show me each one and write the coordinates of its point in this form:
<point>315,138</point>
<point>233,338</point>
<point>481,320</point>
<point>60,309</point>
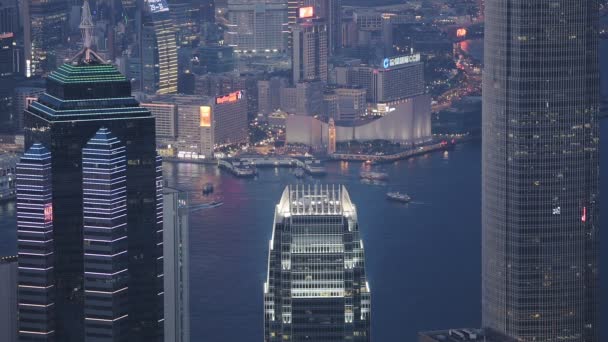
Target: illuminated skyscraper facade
<point>45,28</point>
<point>540,170</point>
<point>91,213</point>
<point>159,65</point>
<point>106,258</point>
<point>316,289</point>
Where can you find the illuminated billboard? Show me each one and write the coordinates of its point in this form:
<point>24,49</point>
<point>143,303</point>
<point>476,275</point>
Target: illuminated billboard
<point>306,12</point>
<point>205,116</point>
<point>461,33</point>
<point>230,98</point>
<point>156,6</point>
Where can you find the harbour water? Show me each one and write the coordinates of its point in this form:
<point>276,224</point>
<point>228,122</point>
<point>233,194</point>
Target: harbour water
<point>423,258</point>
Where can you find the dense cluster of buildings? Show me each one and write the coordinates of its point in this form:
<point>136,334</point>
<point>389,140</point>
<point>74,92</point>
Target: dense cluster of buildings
<point>103,246</point>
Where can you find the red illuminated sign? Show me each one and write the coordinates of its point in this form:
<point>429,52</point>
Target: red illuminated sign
<point>306,12</point>
<point>230,98</point>
<point>584,217</point>
<point>48,213</point>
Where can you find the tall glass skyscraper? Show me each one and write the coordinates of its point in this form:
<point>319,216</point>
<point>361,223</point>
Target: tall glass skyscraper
<point>90,209</point>
<point>316,289</point>
<point>540,170</point>
<point>159,67</point>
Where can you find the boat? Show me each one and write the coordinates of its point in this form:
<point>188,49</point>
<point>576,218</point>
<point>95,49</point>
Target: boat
<point>207,189</point>
<point>376,176</point>
<point>299,173</point>
<point>398,197</point>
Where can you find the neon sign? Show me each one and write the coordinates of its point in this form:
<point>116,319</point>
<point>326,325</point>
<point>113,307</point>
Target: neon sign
<point>230,98</point>
<point>461,32</point>
<point>391,62</point>
<point>584,217</point>
<point>48,213</point>
<point>306,12</point>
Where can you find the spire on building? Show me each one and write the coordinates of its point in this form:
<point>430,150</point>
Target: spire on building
<point>87,27</point>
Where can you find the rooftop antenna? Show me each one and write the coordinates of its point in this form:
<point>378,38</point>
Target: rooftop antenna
<point>87,27</point>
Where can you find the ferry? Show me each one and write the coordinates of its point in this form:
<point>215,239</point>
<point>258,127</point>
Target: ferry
<point>376,176</point>
<point>398,197</point>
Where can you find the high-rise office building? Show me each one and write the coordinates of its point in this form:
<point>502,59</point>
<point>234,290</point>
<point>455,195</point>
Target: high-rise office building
<point>177,266</point>
<point>309,53</point>
<point>158,50</point>
<point>8,299</point>
<point>89,194</point>
<point>45,28</point>
<point>316,287</point>
<point>396,78</point>
<point>256,26</point>
<point>331,12</point>
<point>540,170</point>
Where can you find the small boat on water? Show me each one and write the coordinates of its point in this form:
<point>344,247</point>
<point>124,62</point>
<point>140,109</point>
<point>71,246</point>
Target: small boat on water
<point>398,197</point>
<point>376,176</point>
<point>208,188</point>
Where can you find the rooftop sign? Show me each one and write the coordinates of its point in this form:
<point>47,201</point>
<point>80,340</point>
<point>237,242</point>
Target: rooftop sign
<point>230,98</point>
<point>400,60</point>
<point>306,12</point>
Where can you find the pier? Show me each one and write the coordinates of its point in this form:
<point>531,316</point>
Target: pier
<point>420,150</point>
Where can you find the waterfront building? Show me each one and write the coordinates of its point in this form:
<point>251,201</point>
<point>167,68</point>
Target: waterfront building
<point>203,123</point>
<point>316,288</point>
<point>165,115</point>
<point>310,50</point>
<point>256,26</point>
<point>158,50</point>
<point>8,299</point>
<point>407,120</point>
<point>176,265</point>
<point>540,165</point>
<point>87,271</point>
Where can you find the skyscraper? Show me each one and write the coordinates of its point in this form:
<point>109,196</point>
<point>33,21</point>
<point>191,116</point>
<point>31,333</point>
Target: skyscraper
<point>540,170</point>
<point>44,27</point>
<point>158,50</point>
<point>177,266</point>
<point>310,53</point>
<point>316,289</point>
<point>257,26</point>
<point>89,194</point>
